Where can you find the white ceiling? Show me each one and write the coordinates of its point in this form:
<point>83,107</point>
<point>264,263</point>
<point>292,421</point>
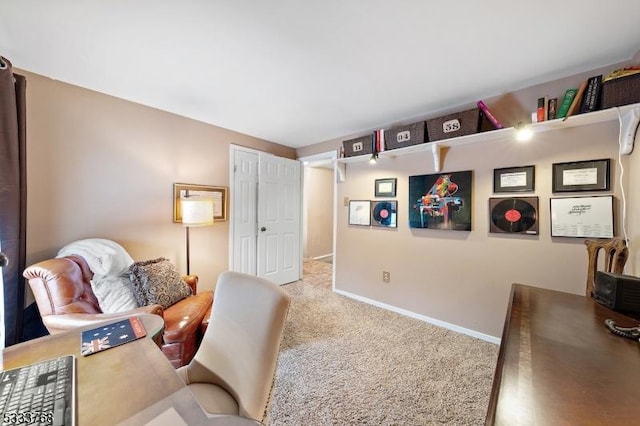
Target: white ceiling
<point>302,72</point>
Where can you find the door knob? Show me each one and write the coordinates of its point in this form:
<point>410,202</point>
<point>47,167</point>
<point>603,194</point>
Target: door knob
<point>263,229</point>
<point>4,260</point>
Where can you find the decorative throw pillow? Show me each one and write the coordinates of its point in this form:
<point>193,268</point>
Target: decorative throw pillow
<point>114,293</point>
<point>157,281</point>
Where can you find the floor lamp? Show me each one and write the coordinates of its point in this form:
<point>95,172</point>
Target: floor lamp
<point>196,211</point>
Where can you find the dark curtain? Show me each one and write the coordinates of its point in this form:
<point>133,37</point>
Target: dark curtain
<point>13,196</point>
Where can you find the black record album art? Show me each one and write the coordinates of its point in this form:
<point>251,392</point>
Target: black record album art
<point>515,215</point>
<point>383,213</point>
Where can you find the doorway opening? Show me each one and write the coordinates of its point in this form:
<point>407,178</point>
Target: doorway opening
<point>319,210</point>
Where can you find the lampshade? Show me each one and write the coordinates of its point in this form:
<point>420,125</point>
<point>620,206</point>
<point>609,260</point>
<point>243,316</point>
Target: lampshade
<point>197,211</point>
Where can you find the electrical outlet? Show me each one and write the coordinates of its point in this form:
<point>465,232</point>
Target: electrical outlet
<point>346,201</point>
<point>386,276</point>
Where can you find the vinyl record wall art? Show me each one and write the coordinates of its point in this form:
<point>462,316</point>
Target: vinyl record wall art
<point>440,201</point>
<point>516,215</point>
<point>384,213</point>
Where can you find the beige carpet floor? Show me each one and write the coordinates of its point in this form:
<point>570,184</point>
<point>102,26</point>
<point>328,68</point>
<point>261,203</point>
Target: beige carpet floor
<point>344,362</point>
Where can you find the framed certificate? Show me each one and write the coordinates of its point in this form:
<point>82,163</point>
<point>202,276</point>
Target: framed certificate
<point>581,176</point>
<point>385,187</point>
<point>582,217</point>
<point>514,179</point>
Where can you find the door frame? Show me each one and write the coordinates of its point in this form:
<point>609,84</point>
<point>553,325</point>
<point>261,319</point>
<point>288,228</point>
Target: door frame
<point>338,176</point>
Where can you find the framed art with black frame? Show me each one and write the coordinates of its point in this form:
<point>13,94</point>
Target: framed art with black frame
<point>514,215</point>
<point>576,176</point>
<point>385,187</point>
<point>384,213</point>
<point>514,179</point>
<point>582,217</point>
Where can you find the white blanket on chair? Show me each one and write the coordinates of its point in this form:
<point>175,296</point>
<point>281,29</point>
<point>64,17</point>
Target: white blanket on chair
<point>104,257</point>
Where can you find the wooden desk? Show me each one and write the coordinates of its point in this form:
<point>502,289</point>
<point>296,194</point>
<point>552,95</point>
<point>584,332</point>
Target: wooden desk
<point>132,384</point>
<point>112,385</point>
<point>559,365</point>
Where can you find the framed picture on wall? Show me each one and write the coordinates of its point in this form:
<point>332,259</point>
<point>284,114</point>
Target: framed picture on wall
<point>513,215</point>
<point>384,213</point>
<point>581,176</point>
<point>514,179</point>
<point>441,201</point>
<point>360,212</point>
<point>582,217</point>
<point>217,193</point>
<point>385,187</point>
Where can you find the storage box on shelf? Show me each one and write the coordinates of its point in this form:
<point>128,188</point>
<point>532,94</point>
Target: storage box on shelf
<point>453,125</point>
<point>357,146</point>
<point>620,91</point>
<point>403,136</point>
<point>499,135</point>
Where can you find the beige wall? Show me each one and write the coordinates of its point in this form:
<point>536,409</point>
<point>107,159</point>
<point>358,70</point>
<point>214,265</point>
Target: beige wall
<point>99,166</point>
<point>464,278</point>
<point>318,187</point>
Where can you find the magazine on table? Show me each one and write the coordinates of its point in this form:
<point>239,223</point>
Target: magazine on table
<point>111,335</point>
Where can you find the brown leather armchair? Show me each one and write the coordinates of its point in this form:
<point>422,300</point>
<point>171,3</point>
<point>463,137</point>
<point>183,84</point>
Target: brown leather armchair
<point>63,293</point>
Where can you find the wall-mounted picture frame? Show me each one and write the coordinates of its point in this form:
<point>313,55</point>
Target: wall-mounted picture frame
<point>384,213</point>
<point>582,217</point>
<point>441,201</point>
<point>513,215</point>
<point>385,187</point>
<point>360,212</point>
<point>514,179</point>
<point>592,175</point>
<point>218,193</point>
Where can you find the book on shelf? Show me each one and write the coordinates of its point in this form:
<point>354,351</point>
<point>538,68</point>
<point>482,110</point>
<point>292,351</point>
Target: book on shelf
<point>111,335</point>
<point>492,119</point>
<point>540,111</point>
<point>379,134</point>
<point>552,108</point>
<point>591,99</point>
<point>377,141</point>
<point>575,104</point>
<point>569,94</point>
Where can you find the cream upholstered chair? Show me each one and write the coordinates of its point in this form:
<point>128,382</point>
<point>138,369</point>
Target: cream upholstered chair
<point>234,368</point>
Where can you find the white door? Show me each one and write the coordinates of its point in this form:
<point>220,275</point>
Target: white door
<point>244,205</point>
<point>279,213</point>
<point>265,216</point>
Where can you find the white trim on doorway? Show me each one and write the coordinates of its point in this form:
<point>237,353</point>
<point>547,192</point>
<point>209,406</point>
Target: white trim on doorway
<point>321,158</point>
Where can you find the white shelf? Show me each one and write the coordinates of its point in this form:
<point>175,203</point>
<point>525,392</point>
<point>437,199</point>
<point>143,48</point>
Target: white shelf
<point>601,116</point>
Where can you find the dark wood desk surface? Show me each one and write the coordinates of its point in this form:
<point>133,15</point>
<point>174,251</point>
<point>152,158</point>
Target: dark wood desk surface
<point>559,365</point>
<point>112,385</point>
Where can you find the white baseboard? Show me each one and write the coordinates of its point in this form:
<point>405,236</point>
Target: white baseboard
<point>452,327</point>
<point>324,256</point>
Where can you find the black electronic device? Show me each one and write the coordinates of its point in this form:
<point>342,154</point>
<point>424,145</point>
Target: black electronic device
<point>617,292</point>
